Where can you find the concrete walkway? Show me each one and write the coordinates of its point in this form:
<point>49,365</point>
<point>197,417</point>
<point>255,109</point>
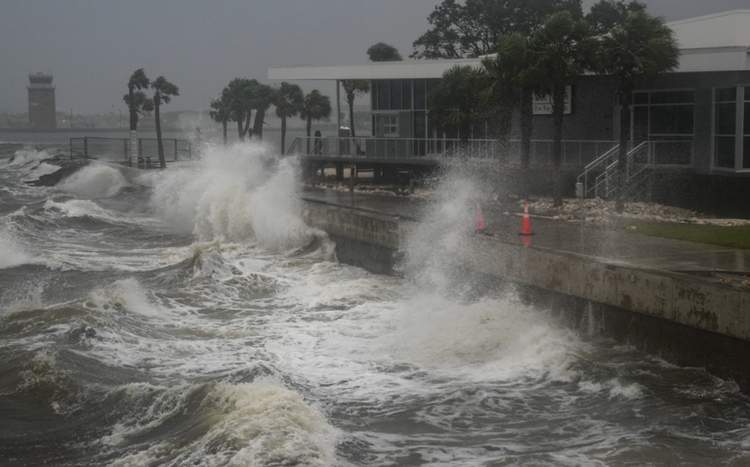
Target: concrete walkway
<point>606,245</point>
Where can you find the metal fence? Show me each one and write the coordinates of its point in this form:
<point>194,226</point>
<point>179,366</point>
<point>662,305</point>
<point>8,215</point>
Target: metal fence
<point>118,149</point>
<point>574,152</point>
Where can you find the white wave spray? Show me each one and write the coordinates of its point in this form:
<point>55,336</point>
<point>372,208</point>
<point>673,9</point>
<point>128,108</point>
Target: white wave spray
<point>94,181</point>
<point>235,193</point>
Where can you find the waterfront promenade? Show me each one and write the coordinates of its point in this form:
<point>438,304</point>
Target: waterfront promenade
<point>607,245</point>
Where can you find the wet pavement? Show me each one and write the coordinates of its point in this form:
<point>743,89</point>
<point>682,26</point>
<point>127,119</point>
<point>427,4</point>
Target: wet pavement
<point>605,244</point>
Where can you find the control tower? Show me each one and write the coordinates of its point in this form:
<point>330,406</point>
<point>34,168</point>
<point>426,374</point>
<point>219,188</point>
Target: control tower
<point>41,102</point>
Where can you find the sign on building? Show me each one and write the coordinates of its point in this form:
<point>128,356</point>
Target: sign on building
<point>543,102</point>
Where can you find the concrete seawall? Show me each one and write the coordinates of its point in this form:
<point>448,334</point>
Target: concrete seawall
<point>689,319</point>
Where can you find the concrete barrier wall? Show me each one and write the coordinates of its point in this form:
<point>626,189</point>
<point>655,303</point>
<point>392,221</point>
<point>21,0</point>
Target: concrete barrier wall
<point>697,302</point>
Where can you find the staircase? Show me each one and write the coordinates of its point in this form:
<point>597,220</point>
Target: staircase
<point>599,177</point>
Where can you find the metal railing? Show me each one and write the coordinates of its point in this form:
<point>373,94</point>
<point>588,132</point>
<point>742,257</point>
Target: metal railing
<point>118,149</point>
<point>574,152</point>
<point>639,165</point>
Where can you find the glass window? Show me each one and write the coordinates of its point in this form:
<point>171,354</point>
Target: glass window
<point>396,101</point>
<point>725,151</point>
<point>382,95</point>
<point>420,94</point>
<point>386,125</point>
<point>746,155</point>
<point>747,118</point>
<point>406,93</point>
<point>726,95</point>
<point>672,97</point>
<point>726,118</point>
<point>672,120</point>
<point>640,98</point>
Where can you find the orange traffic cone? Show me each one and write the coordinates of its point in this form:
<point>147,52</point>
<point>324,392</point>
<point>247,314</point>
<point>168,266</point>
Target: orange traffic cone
<point>526,222</point>
<point>479,224</point>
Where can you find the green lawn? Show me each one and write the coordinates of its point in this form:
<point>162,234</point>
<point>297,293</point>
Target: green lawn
<point>733,237</point>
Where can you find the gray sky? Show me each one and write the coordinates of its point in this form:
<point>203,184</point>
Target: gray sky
<point>91,46</point>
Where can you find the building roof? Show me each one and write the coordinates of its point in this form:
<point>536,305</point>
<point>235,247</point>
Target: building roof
<point>407,69</point>
<point>718,42</point>
<point>720,30</point>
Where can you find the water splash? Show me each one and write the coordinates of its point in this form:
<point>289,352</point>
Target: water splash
<point>235,193</point>
<point>94,181</point>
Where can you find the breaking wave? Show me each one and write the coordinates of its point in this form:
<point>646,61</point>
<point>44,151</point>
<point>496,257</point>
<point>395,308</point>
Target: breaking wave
<point>238,193</point>
<point>94,181</point>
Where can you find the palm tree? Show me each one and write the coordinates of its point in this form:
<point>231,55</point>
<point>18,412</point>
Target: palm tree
<point>221,112</point>
<point>238,94</point>
<point>135,100</point>
<point>505,72</point>
<point>163,92</point>
<point>352,87</point>
<point>558,49</point>
<point>460,99</point>
<point>632,46</point>
<point>316,106</point>
<point>261,98</point>
<point>289,102</point>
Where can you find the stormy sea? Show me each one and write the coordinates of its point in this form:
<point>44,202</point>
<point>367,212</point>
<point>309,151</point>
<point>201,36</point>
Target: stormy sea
<point>189,316</point>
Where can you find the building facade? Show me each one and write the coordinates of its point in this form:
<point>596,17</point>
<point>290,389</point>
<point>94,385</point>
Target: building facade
<point>695,119</point>
<point>42,110</point>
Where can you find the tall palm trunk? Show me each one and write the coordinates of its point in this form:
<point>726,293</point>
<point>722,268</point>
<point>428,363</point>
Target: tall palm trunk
<point>350,101</point>
<point>527,127</point>
<point>133,127</point>
<point>240,133</point>
<point>622,154</point>
<point>260,116</point>
<point>157,117</point>
<point>558,108</point>
<point>308,127</point>
<point>283,135</point>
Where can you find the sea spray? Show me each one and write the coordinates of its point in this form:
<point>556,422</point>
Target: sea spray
<point>235,193</point>
<point>94,181</point>
<point>12,252</point>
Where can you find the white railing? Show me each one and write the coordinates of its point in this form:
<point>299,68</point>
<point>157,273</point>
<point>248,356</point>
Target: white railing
<point>574,152</point>
<point>600,177</point>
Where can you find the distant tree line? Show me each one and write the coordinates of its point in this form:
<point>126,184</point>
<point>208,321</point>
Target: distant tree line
<point>540,47</point>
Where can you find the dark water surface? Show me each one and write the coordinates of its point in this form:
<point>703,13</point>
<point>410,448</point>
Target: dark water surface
<point>189,317</point>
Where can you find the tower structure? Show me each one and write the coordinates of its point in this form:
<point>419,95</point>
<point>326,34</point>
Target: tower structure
<point>41,101</point>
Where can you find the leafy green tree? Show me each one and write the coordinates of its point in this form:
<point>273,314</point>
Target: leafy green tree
<point>221,112</point>
<point>316,106</point>
<point>558,48</point>
<point>289,102</point>
<point>163,93</point>
<point>473,28</point>
<point>460,99</point>
<point>352,87</point>
<point>632,46</point>
<point>382,52</point>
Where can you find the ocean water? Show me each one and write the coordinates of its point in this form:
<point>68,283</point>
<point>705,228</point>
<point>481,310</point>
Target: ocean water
<point>190,317</point>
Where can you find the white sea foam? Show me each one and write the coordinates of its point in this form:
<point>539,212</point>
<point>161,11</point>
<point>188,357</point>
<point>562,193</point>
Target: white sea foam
<point>27,156</point>
<point>236,193</point>
<point>124,295</point>
<point>253,424</point>
<point>12,251</point>
<point>94,181</point>
<point>81,208</point>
